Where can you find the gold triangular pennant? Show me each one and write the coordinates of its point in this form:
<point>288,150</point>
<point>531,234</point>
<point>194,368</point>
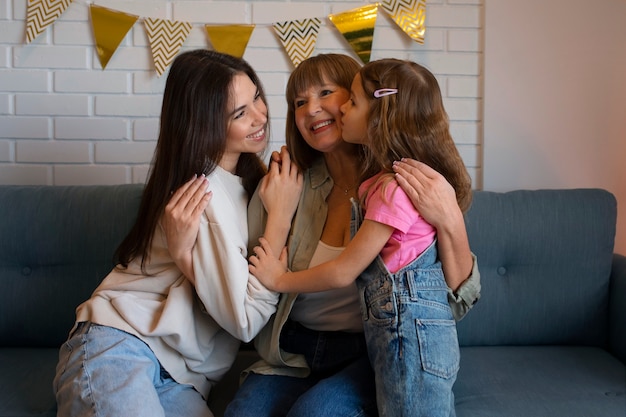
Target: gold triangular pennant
<point>109,28</point>
<point>410,15</point>
<point>298,37</point>
<point>229,39</point>
<point>166,38</point>
<point>357,26</point>
<point>41,14</point>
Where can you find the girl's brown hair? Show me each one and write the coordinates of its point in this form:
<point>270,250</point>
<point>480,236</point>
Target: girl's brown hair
<point>192,139</point>
<point>411,123</point>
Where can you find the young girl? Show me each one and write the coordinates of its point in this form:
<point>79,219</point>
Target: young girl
<point>153,339</point>
<point>395,110</point>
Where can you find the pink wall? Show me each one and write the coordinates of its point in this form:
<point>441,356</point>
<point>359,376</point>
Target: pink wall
<point>555,97</point>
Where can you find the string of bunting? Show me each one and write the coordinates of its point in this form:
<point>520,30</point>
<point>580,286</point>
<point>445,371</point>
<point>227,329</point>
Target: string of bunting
<point>166,37</point>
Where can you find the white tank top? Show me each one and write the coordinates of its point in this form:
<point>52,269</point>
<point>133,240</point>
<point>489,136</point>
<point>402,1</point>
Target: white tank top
<point>333,310</point>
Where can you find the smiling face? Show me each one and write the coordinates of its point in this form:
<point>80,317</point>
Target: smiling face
<point>317,115</point>
<point>247,122</point>
<point>355,111</point>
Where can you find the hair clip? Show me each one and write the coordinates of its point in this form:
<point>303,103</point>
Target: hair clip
<point>382,92</point>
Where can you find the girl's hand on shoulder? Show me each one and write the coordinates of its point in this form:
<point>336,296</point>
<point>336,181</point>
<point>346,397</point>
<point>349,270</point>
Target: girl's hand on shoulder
<point>281,187</point>
<point>266,266</point>
<point>431,194</point>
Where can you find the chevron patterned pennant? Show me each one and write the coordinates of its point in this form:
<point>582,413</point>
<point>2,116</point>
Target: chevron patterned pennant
<point>298,37</point>
<point>41,14</point>
<point>410,15</point>
<point>166,38</point>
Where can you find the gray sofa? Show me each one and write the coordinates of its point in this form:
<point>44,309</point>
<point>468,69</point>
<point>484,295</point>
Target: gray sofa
<point>547,338</point>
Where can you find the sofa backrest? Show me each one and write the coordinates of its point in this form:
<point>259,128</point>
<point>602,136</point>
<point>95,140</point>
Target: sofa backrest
<point>56,245</point>
<point>545,260</point>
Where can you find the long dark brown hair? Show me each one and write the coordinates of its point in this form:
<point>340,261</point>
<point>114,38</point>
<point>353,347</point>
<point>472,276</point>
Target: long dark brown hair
<point>337,69</point>
<point>192,139</point>
<point>411,123</point>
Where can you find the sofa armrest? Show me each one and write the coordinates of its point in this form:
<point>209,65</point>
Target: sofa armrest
<point>617,308</point>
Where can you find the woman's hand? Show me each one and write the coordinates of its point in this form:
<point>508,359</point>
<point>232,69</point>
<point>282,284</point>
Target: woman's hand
<point>431,194</point>
<point>281,187</point>
<point>280,193</point>
<point>181,222</point>
<point>435,200</point>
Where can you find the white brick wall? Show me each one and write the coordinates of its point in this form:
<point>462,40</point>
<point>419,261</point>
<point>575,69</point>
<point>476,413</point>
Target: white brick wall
<point>64,120</point>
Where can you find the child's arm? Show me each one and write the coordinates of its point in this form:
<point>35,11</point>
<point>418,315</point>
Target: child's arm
<point>340,272</point>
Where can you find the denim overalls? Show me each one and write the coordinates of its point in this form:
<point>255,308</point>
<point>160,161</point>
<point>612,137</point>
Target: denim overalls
<point>410,333</point>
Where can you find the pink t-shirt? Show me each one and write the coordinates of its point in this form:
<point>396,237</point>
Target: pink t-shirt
<point>412,234</point>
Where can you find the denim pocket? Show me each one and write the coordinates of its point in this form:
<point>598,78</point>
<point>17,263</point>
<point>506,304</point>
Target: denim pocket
<point>382,309</point>
<point>439,347</point>
<point>435,303</point>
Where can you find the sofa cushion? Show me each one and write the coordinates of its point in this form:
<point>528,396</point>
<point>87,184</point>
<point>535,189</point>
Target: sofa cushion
<point>540,381</point>
<point>545,260</point>
<point>61,245</point>
<point>26,381</point>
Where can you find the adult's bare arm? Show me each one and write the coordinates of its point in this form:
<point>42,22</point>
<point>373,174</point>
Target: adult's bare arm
<point>435,200</point>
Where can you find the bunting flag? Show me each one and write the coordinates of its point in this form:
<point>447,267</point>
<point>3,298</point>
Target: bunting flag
<point>42,13</point>
<point>357,27</point>
<point>109,28</point>
<point>298,37</point>
<point>166,38</point>
<point>410,15</point>
<point>229,39</point>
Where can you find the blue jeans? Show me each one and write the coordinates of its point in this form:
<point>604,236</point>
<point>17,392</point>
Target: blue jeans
<point>411,337</point>
<point>103,371</point>
<point>341,382</point>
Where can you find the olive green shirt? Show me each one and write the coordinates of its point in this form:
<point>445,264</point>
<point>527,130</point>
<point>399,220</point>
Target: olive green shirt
<point>304,237</point>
